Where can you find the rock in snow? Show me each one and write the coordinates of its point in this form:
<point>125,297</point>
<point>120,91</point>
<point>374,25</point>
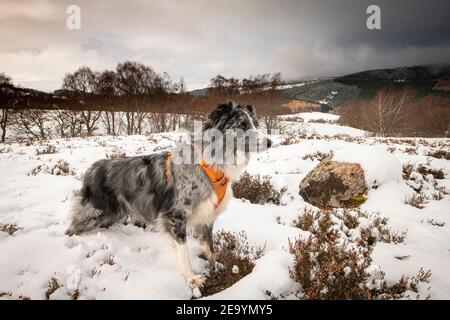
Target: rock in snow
<point>334,184</point>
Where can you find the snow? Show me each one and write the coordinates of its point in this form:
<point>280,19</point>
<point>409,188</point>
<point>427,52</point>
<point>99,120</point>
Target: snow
<point>379,165</point>
<point>304,122</point>
<point>125,261</point>
<point>308,116</point>
<point>332,130</point>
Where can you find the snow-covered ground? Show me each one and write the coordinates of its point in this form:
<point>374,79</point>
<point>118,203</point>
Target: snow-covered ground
<point>125,261</point>
<point>306,122</point>
<point>312,116</point>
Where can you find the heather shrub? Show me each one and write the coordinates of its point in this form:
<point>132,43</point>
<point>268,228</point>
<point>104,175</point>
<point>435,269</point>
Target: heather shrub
<point>257,189</point>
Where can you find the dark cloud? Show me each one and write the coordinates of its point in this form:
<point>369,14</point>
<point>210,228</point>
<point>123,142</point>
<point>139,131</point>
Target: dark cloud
<point>199,38</point>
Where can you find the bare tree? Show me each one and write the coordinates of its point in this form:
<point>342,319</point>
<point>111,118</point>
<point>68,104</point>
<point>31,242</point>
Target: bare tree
<point>4,105</point>
<point>352,113</point>
<point>3,123</point>
<point>224,88</point>
<point>133,80</point>
<point>33,123</point>
<point>90,119</point>
<point>143,90</point>
<point>271,104</point>
<point>83,84</point>
<point>4,79</point>
<point>180,103</point>
<point>75,123</point>
<point>68,123</point>
<point>437,110</point>
<point>385,114</point>
<point>62,122</point>
<point>106,87</point>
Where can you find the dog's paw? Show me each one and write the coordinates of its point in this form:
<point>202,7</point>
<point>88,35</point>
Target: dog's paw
<point>196,281</point>
<point>196,293</point>
<point>70,232</point>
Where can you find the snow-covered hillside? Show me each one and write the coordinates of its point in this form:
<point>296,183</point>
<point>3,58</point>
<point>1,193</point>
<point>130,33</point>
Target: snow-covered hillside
<point>38,184</point>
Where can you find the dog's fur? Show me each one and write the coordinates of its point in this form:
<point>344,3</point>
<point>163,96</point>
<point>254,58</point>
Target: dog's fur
<point>138,187</point>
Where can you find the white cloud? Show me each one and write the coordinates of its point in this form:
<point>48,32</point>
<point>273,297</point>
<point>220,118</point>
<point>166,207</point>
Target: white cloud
<point>200,38</point>
<point>45,69</point>
<point>40,10</point>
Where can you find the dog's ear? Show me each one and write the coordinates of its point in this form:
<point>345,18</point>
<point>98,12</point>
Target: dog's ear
<point>221,109</point>
<point>250,108</point>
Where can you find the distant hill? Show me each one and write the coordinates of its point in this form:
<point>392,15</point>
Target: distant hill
<point>426,80</point>
<point>416,73</point>
<point>199,92</point>
<point>19,97</point>
<point>326,92</point>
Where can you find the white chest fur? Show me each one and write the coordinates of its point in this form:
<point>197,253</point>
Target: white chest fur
<point>206,212</point>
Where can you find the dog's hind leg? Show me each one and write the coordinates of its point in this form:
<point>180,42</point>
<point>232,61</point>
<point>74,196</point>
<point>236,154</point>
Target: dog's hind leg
<point>86,218</point>
<point>176,227</point>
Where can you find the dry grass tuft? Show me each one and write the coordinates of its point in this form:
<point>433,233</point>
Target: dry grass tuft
<point>109,260</point>
<point>257,189</point>
<point>333,263</point>
<point>347,222</point>
<point>9,228</point>
<point>53,285</point>
<point>439,154</point>
<point>436,173</point>
<point>329,271</point>
<point>328,267</point>
<point>402,258</point>
<point>411,150</point>
<point>61,168</point>
<point>317,156</point>
<point>48,149</point>
<point>234,260</point>
<point>417,200</point>
<point>435,223</point>
<point>75,295</point>
<point>116,154</point>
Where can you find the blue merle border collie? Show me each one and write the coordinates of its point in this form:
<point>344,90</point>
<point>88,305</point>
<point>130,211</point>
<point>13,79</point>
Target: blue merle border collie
<point>154,189</point>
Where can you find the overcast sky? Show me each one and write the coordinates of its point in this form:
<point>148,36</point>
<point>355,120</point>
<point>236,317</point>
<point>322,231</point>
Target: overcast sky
<point>199,39</point>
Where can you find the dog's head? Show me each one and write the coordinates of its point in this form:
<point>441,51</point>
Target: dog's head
<point>238,124</point>
<point>230,116</point>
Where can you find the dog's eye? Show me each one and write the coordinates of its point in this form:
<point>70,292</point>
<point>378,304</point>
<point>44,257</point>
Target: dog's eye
<point>244,125</point>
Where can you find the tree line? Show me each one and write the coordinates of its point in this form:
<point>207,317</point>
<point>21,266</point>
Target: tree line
<point>132,99</point>
<point>398,113</point>
<point>135,99</point>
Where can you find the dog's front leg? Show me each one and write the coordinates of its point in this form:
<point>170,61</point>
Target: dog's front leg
<point>177,229</point>
<point>204,234</point>
<point>184,260</point>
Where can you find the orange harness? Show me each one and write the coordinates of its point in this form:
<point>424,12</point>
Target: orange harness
<point>217,177</point>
